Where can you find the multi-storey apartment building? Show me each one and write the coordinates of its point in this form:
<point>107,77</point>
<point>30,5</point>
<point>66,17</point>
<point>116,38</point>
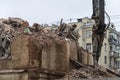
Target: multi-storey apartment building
<point>111,45</point>
<point>114,45</point>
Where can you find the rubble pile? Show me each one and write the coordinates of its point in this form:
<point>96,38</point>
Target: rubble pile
<point>12,27</point>
<point>42,36</point>
<point>45,37</point>
<point>15,22</point>
<point>68,31</point>
<point>88,72</point>
<point>9,28</point>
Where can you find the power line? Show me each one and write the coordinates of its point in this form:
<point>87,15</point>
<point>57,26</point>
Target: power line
<point>115,18</point>
<point>114,15</point>
<point>115,22</point>
<point>65,20</point>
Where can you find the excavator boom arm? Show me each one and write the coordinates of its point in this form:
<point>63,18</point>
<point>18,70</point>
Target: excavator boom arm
<point>99,28</point>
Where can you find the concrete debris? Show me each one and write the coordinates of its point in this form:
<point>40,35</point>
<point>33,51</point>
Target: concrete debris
<point>16,22</point>
<point>88,72</point>
<point>68,31</point>
<point>41,36</point>
<point>37,27</point>
<point>11,27</point>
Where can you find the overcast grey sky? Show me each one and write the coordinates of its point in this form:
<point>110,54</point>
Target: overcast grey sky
<point>48,11</point>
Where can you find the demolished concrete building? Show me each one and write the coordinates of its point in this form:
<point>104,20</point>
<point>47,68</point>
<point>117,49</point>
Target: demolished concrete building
<point>36,53</point>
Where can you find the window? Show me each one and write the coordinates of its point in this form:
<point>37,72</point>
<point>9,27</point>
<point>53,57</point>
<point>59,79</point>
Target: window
<point>112,26</point>
<point>115,36</point>
<point>105,35</point>
<point>88,24</point>
<point>88,46</point>
<point>111,48</point>
<point>110,62</point>
<point>105,59</point>
<point>111,35</point>
<point>88,33</point>
<point>115,48</point>
<point>105,46</point>
<point>79,20</point>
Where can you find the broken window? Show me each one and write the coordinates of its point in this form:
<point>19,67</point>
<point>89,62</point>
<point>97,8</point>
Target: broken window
<point>88,33</point>
<point>88,46</point>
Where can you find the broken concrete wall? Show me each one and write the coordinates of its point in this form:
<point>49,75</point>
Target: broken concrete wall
<point>13,76</point>
<point>28,75</point>
<point>37,49</point>
<point>85,57</point>
<point>28,52</point>
<point>71,53</point>
<point>54,55</point>
<point>10,28</point>
<point>19,54</point>
<point>44,74</point>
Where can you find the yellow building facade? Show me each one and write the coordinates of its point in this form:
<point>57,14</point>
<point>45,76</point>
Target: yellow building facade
<point>84,26</point>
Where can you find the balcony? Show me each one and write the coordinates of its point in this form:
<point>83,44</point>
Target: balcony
<point>119,43</point>
<point>115,55</point>
<point>113,41</point>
